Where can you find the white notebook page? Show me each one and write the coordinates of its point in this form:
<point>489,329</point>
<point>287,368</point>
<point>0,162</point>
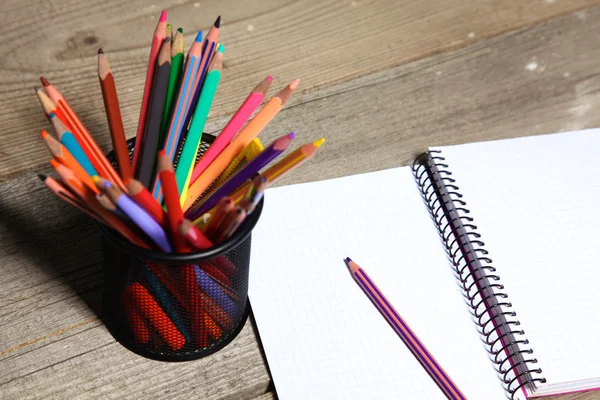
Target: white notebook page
<point>535,201</point>
<point>322,336</point>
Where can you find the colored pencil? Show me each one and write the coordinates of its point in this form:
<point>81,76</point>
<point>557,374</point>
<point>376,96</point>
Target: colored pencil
<point>248,171</point>
<point>174,80</point>
<point>159,36</point>
<point>150,310</point>
<point>171,199</point>
<point>249,132</point>
<point>289,163</point>
<point>236,122</point>
<point>144,199</point>
<point>194,237</point>
<point>72,145</point>
<point>182,103</point>
<point>113,116</point>
<point>147,159</point>
<point>214,291</point>
<point>224,207</point>
<point>88,197</point>
<point>139,216</point>
<point>61,154</point>
<point>89,146</point>
<point>254,195</point>
<point>48,105</point>
<point>59,190</point>
<point>231,224</point>
<point>247,155</point>
<point>187,159</point>
<point>209,47</point>
<point>409,338</point>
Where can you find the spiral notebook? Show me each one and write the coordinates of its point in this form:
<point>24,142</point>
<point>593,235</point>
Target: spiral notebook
<point>507,301</point>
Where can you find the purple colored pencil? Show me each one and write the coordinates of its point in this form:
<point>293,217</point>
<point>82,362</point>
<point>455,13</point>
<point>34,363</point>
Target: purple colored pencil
<point>139,217</point>
<point>208,286</point>
<point>248,171</point>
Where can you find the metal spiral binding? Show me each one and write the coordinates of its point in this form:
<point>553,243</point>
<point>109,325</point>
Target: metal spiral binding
<point>491,310</point>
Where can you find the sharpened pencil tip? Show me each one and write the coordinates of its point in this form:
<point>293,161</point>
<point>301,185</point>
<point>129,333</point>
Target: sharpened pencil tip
<point>95,178</point>
<point>37,88</point>
<point>44,81</point>
<point>163,16</point>
<point>347,261</point>
<point>199,36</point>
<point>42,177</point>
<point>292,135</point>
<point>318,143</point>
<point>100,51</point>
<point>180,30</point>
<point>221,48</point>
<point>295,84</point>
<point>107,184</point>
<point>218,22</point>
<point>270,78</point>
<point>43,134</point>
<point>51,115</point>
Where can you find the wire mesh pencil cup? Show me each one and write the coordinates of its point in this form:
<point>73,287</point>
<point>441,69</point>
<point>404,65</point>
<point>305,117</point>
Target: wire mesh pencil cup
<point>176,307</point>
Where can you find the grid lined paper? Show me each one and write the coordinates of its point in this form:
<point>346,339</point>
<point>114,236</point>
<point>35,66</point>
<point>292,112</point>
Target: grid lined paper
<point>535,201</point>
<point>322,337</point>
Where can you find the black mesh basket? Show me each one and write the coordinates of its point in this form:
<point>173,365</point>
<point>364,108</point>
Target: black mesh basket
<point>176,307</point>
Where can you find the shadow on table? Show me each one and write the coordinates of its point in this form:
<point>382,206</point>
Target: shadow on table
<point>271,387</point>
<point>40,231</point>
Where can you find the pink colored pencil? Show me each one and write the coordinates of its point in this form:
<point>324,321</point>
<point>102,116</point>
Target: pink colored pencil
<point>234,125</point>
<point>160,33</point>
<point>409,338</point>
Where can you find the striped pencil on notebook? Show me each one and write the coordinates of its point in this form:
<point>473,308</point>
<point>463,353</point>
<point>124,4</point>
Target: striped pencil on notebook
<point>409,338</point>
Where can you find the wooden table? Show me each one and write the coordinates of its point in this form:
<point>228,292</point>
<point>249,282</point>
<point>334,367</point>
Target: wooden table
<point>388,77</point>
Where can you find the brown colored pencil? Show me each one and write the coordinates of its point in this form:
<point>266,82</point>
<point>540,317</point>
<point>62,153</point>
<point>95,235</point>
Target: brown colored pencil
<point>150,147</point>
<point>113,115</point>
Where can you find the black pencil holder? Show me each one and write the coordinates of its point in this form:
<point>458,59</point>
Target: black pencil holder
<point>176,307</point>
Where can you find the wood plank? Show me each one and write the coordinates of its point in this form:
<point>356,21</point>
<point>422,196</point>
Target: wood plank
<point>322,41</point>
<point>537,80</point>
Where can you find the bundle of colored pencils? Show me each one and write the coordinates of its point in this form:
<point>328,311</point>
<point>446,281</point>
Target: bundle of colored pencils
<point>173,205</point>
<point>205,201</point>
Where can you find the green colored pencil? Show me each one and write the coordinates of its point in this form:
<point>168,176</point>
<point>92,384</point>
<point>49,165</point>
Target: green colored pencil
<point>185,165</point>
<point>174,80</point>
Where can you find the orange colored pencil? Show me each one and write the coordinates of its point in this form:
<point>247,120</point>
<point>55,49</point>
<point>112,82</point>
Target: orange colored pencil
<point>237,145</point>
<point>89,198</point>
<point>59,190</point>
<point>113,116</point>
<point>61,154</point>
<point>289,163</point>
<point>144,199</point>
<point>91,149</point>
<point>160,34</point>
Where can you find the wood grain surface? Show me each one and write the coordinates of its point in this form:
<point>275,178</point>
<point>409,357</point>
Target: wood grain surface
<point>382,81</point>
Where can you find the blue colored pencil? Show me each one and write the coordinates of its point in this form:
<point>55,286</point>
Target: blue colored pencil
<point>68,140</point>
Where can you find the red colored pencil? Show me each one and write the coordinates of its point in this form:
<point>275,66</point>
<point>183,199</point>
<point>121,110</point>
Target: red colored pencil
<point>149,309</point>
<point>194,236</point>
<point>144,199</point>
<point>160,34</point>
<point>171,200</point>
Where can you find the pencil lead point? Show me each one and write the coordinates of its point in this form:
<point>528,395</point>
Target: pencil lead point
<point>180,30</point>
<point>295,84</point>
<point>163,16</point>
<point>44,81</point>
<point>221,48</point>
<point>51,115</point>
<point>199,36</point>
<point>318,143</point>
<point>100,51</point>
<point>42,177</point>
<point>95,178</point>
<point>292,135</point>
<point>347,261</point>
<point>107,184</point>
<point>218,22</point>
<point>36,88</point>
<point>270,78</point>
<point>43,134</point>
